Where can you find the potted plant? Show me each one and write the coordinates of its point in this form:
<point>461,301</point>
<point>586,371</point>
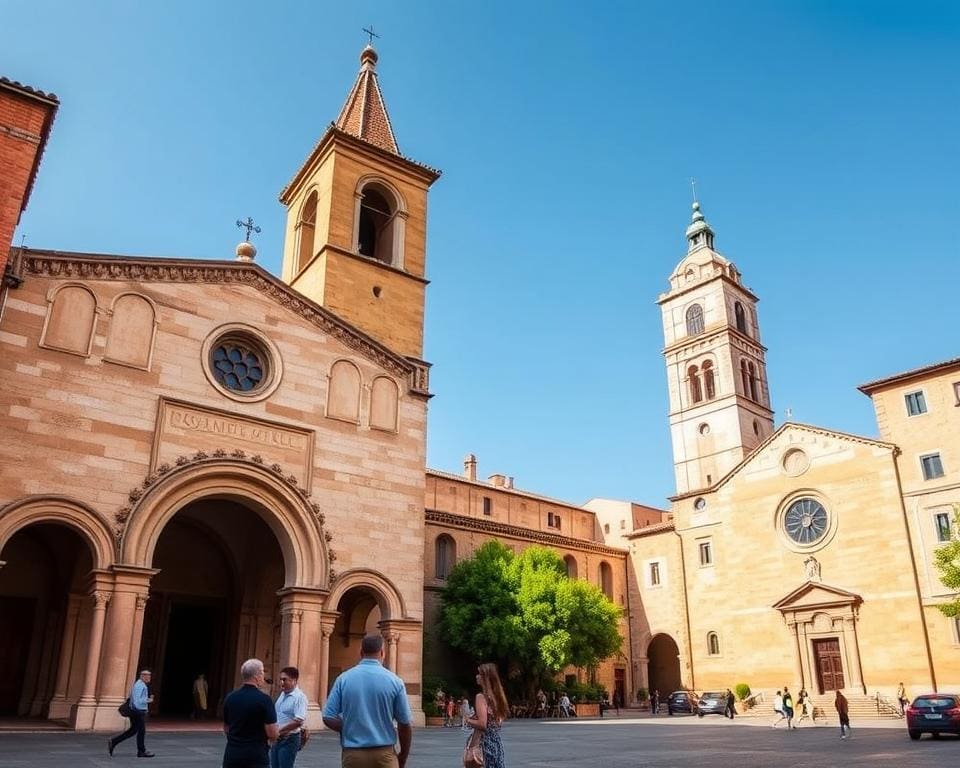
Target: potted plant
<point>643,698</point>
<point>742,691</point>
<point>433,716</point>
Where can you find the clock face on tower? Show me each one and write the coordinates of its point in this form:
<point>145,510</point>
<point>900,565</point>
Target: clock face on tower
<point>806,521</point>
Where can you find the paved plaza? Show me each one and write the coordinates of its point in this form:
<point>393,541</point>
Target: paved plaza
<point>612,743</point>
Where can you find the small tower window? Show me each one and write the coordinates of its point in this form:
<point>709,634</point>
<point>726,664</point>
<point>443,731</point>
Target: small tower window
<point>306,229</point>
<point>377,226</point>
<point>696,392</point>
<point>741,317</point>
<point>713,644</point>
<point>694,320</point>
<point>709,381</point>
<point>751,368</point>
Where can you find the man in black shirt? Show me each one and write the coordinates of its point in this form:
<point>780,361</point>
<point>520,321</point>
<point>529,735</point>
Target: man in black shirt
<point>249,720</point>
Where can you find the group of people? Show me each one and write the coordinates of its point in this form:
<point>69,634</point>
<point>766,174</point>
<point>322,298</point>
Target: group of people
<point>455,710</point>
<point>558,703</point>
<point>784,708</point>
<point>363,705</point>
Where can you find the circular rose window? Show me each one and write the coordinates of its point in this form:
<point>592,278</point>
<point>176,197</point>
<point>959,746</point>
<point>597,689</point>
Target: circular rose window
<point>241,363</point>
<point>806,521</point>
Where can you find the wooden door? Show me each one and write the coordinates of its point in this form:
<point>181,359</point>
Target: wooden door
<point>829,664</point>
<point>619,687</point>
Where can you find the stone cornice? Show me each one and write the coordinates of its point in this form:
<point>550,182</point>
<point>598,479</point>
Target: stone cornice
<point>57,264</point>
<point>515,531</point>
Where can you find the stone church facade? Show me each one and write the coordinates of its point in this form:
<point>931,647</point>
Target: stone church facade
<point>211,463</point>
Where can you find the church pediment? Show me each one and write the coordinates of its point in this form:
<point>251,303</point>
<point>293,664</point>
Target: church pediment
<point>81,266</point>
<point>813,595</point>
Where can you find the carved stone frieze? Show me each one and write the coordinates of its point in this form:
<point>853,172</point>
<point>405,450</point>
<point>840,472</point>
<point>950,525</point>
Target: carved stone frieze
<point>93,267</point>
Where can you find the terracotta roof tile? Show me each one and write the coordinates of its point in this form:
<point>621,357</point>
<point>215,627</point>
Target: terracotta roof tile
<point>364,113</point>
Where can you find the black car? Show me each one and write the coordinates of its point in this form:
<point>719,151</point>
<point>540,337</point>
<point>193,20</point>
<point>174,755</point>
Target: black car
<point>681,701</point>
<point>933,713</point>
<point>712,703</point>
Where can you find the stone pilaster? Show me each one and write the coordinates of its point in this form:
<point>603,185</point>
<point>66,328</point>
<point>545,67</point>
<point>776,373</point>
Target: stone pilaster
<point>59,705</point>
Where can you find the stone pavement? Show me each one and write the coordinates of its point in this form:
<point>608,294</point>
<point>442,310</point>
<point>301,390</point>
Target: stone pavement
<point>610,743</point>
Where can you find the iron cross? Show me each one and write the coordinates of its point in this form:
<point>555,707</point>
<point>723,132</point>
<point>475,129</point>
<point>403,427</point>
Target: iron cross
<point>693,184</point>
<point>249,226</point>
<point>370,33</point>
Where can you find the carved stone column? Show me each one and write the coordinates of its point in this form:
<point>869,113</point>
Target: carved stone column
<point>328,620</point>
<point>853,653</point>
<point>797,660</point>
<point>59,706</point>
<point>136,633</point>
<point>392,640</point>
<point>86,705</point>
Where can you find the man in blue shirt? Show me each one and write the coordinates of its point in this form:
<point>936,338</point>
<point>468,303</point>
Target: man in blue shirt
<point>140,699</point>
<point>291,712</point>
<point>362,706</point>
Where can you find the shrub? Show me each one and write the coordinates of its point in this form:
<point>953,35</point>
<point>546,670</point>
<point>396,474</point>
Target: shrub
<point>642,695</point>
<point>742,690</point>
<point>430,708</point>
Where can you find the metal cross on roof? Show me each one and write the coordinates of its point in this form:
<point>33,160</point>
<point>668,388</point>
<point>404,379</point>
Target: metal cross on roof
<point>370,33</point>
<point>249,226</point>
<point>693,185</point>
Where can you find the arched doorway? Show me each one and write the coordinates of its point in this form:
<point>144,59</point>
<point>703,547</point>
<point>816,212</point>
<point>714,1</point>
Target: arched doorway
<point>213,603</point>
<point>663,669</point>
<point>360,614</point>
<point>46,613</point>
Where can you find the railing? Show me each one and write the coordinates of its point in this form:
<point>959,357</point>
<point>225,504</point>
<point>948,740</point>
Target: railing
<point>753,699</point>
<point>885,706</point>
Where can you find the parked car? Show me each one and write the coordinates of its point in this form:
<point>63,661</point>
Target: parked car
<point>681,701</point>
<point>933,713</point>
<point>712,703</point>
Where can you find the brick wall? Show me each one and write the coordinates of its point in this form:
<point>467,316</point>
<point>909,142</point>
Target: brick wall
<point>25,118</point>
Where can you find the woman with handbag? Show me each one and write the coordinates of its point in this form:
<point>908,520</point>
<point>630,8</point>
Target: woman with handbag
<point>484,747</point>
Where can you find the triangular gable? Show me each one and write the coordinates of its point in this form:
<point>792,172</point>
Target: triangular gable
<point>784,428</point>
<point>813,595</point>
<point>88,266</point>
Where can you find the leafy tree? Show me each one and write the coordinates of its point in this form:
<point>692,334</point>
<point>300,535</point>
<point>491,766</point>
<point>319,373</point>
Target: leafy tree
<point>947,561</point>
<point>523,611</point>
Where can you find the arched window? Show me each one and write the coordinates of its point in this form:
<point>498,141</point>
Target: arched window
<point>376,235</point>
<point>696,393</point>
<point>745,378</point>
<point>132,328</point>
<point>571,562</point>
<point>741,317</point>
<point>694,320</point>
<point>446,555</point>
<point>71,319</point>
<point>343,392</point>
<point>384,398</point>
<point>306,229</point>
<point>752,370</point>
<point>713,644</point>
<point>709,380</point>
<point>606,579</point>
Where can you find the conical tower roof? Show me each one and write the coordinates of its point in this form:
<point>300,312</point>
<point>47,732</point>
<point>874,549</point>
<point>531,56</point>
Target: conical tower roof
<point>364,113</point>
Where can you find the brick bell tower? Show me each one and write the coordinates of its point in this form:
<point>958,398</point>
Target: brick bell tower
<point>716,366</point>
<point>357,222</point>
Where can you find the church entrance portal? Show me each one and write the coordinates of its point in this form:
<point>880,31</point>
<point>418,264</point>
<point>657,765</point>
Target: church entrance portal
<point>663,665</point>
<point>45,613</point>
<point>826,653</point>
<point>213,604</point>
<point>359,615</point>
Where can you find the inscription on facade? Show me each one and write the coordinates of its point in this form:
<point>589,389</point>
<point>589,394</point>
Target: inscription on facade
<point>183,428</point>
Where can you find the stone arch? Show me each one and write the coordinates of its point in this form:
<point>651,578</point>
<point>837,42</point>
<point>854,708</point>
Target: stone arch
<point>388,596</point>
<point>384,404</point>
<point>663,659</point>
<point>306,227</point>
<point>294,522</point>
<point>379,222</point>
<point>570,563</point>
<point>343,391</point>
<point>64,511</point>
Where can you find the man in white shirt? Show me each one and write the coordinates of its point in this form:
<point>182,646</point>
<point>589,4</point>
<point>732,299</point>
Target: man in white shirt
<point>778,708</point>
<point>564,705</point>
<point>291,712</point>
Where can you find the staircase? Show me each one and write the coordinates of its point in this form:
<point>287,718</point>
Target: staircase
<point>861,707</point>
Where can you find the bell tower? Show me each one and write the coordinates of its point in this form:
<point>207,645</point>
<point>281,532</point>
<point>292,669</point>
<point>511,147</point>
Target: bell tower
<point>716,369</point>
<point>356,228</point>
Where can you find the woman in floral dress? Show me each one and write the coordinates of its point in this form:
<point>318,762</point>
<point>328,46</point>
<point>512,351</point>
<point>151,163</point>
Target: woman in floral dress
<point>490,711</point>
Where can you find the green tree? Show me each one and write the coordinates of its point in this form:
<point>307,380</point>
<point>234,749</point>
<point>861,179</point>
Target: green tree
<point>523,612</point>
<point>947,561</point>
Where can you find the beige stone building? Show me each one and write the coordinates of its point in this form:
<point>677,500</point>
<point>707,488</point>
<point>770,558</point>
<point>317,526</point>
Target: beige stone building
<point>798,556</point>
<point>211,463</point>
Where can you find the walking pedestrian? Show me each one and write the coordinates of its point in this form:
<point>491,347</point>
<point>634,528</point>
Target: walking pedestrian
<point>291,714</point>
<point>804,706</point>
<point>843,711</point>
<point>490,712</point>
<point>200,692</point>
<point>730,709</point>
<point>788,707</point>
<point>362,706</point>
<point>778,708</point>
<point>902,699</point>
<point>249,720</point>
<point>655,701</point>
<point>138,703</point>
<point>466,711</point>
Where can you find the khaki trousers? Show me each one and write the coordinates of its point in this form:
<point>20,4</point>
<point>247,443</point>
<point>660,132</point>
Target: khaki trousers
<point>370,757</point>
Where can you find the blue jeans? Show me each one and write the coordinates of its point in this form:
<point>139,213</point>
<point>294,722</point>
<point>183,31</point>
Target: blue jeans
<point>284,751</point>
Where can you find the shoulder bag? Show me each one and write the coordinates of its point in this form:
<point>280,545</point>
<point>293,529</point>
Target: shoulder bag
<point>125,709</point>
<point>472,752</point>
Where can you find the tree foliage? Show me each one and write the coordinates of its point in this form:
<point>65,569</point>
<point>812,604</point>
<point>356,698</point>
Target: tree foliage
<point>947,561</point>
<point>525,613</point>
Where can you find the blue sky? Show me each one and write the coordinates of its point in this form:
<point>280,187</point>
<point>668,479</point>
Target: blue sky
<point>822,134</point>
